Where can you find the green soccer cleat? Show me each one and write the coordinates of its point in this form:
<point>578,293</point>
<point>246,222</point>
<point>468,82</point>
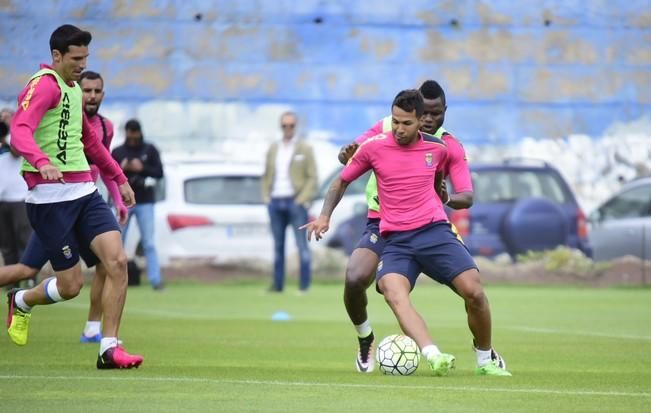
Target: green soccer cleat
<point>441,364</point>
<point>17,321</point>
<point>491,369</point>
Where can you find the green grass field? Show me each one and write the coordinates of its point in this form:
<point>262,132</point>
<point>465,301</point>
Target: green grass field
<point>213,347</point>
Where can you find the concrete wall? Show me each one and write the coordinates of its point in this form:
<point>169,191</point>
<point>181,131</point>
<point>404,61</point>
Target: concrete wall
<point>199,72</point>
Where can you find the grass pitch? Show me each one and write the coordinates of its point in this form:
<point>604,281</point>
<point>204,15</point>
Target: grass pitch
<point>214,347</point>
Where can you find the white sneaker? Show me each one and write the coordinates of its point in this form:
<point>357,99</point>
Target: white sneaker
<point>365,360</point>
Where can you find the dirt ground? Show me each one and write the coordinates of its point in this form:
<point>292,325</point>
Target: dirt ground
<point>625,271</point>
<point>568,270</point>
<point>558,267</point>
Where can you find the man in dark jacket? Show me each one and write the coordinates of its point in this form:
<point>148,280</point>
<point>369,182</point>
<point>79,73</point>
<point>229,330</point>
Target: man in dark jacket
<point>141,163</point>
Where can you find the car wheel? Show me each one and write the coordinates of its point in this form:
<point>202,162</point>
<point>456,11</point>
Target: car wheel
<point>534,224</point>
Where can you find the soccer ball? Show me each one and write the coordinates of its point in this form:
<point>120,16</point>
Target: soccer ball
<point>398,355</point>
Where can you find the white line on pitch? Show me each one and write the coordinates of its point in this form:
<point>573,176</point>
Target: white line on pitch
<point>332,385</point>
<point>578,333</point>
<point>218,316</point>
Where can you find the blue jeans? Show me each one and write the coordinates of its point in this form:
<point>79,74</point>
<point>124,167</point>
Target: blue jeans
<point>284,212</point>
<point>145,215</point>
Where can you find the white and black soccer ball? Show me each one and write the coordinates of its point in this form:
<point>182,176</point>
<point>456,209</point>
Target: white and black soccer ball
<point>397,355</point>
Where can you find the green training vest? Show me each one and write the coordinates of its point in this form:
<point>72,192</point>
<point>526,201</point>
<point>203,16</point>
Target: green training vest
<point>372,198</point>
<point>59,133</point>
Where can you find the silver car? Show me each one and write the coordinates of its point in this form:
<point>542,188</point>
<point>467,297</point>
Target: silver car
<point>622,225</point>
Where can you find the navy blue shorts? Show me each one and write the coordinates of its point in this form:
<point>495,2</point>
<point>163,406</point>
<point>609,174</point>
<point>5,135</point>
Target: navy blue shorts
<point>36,257</point>
<point>434,250</point>
<point>371,238</point>
<point>66,229</point>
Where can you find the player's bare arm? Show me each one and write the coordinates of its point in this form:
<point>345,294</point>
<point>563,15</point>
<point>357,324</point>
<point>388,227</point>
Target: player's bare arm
<point>461,200</point>
<point>321,225</point>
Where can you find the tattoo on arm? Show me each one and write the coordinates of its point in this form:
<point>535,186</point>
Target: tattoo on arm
<point>334,195</point>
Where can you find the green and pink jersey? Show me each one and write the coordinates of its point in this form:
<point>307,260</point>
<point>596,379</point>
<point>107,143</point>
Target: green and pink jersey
<point>50,127</point>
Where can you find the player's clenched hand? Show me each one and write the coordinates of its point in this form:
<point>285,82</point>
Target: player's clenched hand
<point>123,215</point>
<point>127,195</point>
<point>347,152</point>
<point>51,173</point>
<point>317,227</point>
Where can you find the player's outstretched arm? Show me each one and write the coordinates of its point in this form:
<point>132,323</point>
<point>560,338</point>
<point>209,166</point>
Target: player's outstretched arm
<point>321,225</point>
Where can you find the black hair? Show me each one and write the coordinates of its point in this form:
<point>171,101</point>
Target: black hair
<point>133,125</point>
<point>410,100</point>
<point>68,35</point>
<point>432,90</point>
<point>90,75</point>
<point>4,129</point>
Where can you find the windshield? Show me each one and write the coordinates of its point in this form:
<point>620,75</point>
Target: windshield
<point>512,185</point>
<point>223,190</point>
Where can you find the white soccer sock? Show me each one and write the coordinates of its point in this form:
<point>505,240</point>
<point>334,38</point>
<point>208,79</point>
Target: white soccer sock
<point>430,351</point>
<point>92,328</point>
<point>107,343</point>
<point>364,329</point>
<point>483,357</point>
<point>51,290</point>
<point>20,301</point>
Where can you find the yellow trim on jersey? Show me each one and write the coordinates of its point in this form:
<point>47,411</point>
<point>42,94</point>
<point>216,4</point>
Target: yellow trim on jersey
<point>428,138</point>
<point>28,96</point>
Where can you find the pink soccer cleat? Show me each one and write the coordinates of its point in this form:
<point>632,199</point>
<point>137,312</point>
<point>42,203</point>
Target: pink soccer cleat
<point>118,358</point>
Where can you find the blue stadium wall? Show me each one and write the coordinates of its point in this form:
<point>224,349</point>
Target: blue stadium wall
<point>511,69</point>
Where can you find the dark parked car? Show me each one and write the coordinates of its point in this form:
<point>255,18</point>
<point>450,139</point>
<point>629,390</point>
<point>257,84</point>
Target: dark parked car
<point>519,205</point>
<point>622,225</point>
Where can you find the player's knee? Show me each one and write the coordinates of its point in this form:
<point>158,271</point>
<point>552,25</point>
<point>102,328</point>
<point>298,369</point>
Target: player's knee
<point>476,299</point>
<point>69,288</point>
<point>116,264</point>
<point>358,278</point>
<point>121,260</point>
<point>393,297</point>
